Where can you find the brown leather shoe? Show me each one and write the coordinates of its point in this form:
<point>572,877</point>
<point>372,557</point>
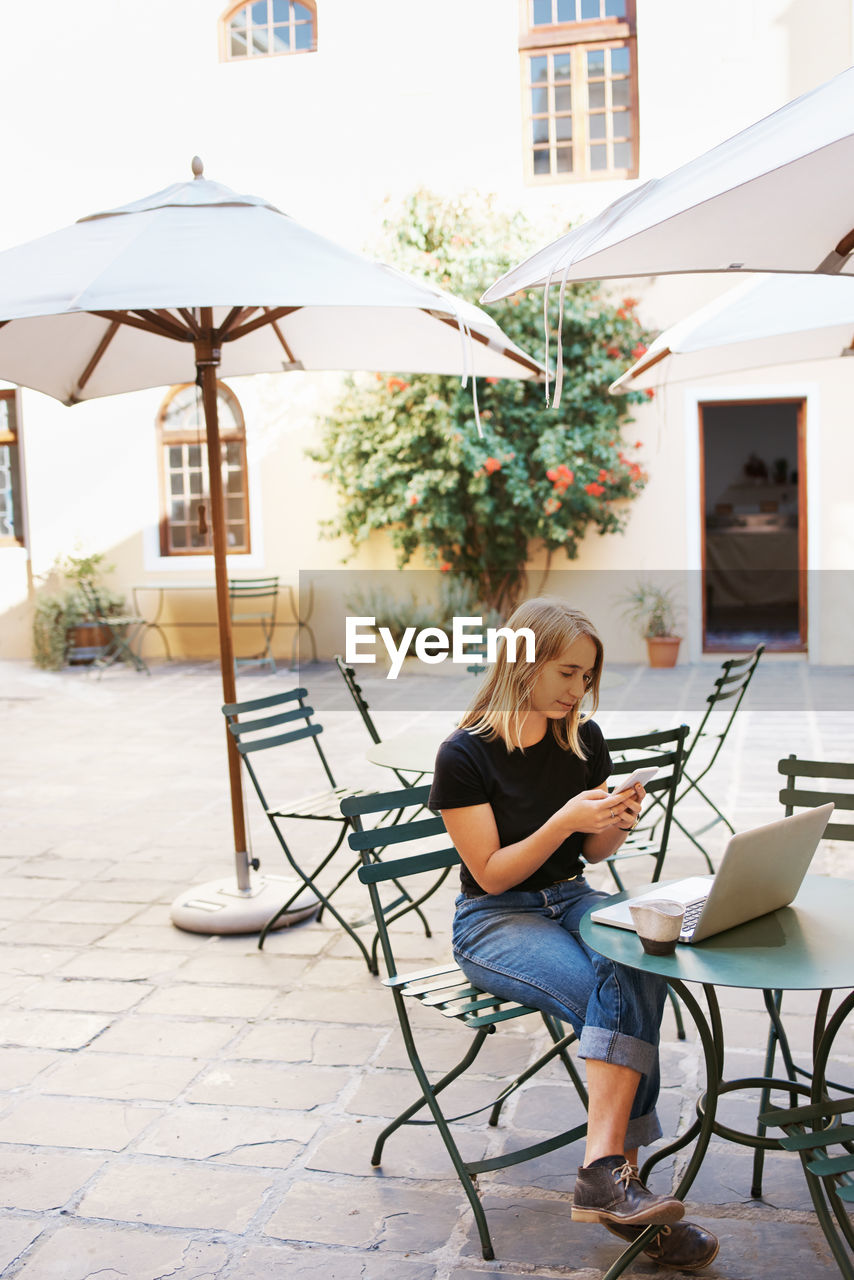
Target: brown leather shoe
<point>684,1247</point>
<point>613,1192</point>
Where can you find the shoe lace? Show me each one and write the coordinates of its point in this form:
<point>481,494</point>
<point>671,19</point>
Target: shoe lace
<point>627,1173</point>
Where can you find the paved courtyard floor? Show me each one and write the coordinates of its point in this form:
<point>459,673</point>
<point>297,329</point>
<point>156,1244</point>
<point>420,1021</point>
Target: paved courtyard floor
<point>180,1105</point>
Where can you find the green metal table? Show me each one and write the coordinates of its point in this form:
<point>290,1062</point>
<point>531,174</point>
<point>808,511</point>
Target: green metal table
<point>803,947</point>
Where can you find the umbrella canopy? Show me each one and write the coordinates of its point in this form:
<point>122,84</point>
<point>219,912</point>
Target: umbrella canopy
<point>196,282</point>
<point>779,196</point>
<point>115,301</point>
<point>772,320</point>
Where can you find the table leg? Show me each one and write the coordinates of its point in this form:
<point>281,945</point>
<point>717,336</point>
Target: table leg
<point>154,624</point>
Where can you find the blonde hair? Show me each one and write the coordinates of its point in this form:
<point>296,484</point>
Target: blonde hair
<point>501,703</point>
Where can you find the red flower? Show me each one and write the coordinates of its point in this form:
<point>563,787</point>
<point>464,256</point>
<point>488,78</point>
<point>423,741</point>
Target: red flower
<point>492,381</point>
<point>639,444</point>
<point>561,477</point>
<point>613,352</point>
<point>595,490</point>
<point>630,303</point>
<point>491,464</point>
<point>622,314</point>
<point>413,499</point>
<point>551,505</point>
<point>650,394</point>
<point>444,567</point>
<point>638,351</point>
<point>397,384</point>
<point>603,475</point>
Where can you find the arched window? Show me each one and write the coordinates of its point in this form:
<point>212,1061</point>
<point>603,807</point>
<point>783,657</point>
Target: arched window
<point>183,456</point>
<point>266,27</point>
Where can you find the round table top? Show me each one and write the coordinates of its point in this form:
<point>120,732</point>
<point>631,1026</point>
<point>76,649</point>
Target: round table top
<point>413,752</point>
<point>806,946</point>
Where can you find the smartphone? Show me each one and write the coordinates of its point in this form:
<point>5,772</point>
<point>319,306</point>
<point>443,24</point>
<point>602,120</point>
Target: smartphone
<point>642,776</point>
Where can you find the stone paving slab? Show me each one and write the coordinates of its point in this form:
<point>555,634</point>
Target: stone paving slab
<point>178,1105</point>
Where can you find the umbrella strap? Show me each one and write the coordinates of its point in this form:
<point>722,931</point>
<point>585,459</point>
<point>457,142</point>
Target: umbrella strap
<point>559,372</point>
<point>546,327</point>
<point>468,364</point>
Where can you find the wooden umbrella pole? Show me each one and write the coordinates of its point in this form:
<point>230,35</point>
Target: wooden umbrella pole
<point>207,361</point>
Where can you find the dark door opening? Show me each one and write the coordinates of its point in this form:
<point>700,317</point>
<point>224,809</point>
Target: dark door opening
<point>754,525</point>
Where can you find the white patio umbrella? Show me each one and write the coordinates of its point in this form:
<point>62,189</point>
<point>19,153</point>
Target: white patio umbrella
<point>197,282</point>
<point>766,321</point>
<point>779,196</point>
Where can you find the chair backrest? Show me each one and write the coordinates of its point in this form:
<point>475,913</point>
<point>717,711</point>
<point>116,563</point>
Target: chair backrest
<point>254,597</point>
<point>665,748</point>
<point>92,596</point>
<point>804,795</point>
<point>256,726</point>
<point>371,842</point>
<point>727,695</point>
<point>355,691</point>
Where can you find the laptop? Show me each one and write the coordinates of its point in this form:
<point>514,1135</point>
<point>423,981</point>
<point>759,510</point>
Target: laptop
<point>762,870</point>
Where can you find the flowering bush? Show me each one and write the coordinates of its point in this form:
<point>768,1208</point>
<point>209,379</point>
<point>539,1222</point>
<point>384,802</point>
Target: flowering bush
<point>405,455</point>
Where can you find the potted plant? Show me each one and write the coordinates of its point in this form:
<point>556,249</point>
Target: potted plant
<point>654,612</point>
<point>63,626</point>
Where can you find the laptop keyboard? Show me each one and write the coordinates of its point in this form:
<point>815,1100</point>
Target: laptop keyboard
<point>692,915</point>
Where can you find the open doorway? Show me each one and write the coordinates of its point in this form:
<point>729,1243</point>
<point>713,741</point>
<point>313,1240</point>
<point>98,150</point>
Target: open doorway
<point>753,515</point>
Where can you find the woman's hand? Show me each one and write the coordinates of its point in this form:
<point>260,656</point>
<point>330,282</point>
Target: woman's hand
<point>621,813</point>
<point>634,799</point>
<point>592,812</point>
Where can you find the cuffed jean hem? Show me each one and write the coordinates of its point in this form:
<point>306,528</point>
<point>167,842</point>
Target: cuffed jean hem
<point>643,1130</point>
<point>616,1047</point>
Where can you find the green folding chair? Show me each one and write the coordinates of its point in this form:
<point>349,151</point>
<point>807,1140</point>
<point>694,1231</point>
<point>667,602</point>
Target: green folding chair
<point>822,1133</point>
<point>355,690</point>
<point>445,991</point>
<point>252,602</point>
<point>262,725</point>
<point>805,788</point>
<point>123,631</point>
<point>665,749</point>
<point>727,696</point>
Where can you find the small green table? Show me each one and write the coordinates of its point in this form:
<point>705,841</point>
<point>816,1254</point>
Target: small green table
<point>804,947</point>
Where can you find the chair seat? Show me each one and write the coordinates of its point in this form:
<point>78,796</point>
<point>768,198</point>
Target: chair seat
<point>124,620</point>
<point>449,990</point>
<point>326,805</point>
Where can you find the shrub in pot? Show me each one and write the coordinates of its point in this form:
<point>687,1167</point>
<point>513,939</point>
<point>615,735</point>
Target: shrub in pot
<point>654,612</point>
<point>63,627</point>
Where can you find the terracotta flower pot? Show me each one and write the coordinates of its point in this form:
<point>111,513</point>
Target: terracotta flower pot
<point>663,650</point>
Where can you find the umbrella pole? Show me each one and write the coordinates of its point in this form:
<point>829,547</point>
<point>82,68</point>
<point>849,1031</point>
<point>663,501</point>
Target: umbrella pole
<point>223,906</point>
<point>207,361</point>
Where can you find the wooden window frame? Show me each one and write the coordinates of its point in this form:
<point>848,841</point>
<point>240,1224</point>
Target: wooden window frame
<point>10,436</point>
<point>228,435</point>
<point>577,39</point>
<point>225,54</point>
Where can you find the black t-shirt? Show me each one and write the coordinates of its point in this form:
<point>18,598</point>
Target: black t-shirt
<point>523,788</point>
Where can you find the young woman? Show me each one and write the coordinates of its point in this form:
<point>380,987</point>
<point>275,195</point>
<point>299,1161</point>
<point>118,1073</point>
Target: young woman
<point>521,785</point>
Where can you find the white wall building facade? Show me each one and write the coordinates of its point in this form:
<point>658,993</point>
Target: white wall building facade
<point>107,101</point>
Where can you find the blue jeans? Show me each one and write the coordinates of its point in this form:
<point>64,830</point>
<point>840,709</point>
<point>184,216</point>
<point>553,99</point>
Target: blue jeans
<point>526,947</point>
